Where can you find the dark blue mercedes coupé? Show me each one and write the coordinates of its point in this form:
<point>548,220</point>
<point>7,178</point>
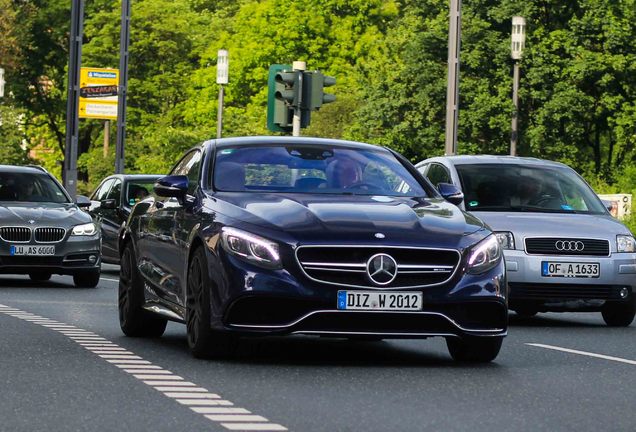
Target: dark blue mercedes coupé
<point>286,235</point>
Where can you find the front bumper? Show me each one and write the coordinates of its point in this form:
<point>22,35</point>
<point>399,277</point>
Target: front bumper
<point>529,287</point>
<point>281,302</point>
<point>72,255</point>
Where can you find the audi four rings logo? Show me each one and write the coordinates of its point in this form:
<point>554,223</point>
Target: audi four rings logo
<point>381,269</point>
<point>569,245</point>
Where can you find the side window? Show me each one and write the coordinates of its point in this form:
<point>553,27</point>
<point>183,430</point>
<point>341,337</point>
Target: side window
<point>102,191</point>
<point>115,192</point>
<point>189,166</point>
<point>438,174</point>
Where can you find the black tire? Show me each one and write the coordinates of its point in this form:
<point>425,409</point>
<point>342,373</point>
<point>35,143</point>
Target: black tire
<point>474,349</point>
<point>619,314</point>
<point>202,340</point>
<point>40,276</point>
<point>133,319</point>
<point>86,279</point>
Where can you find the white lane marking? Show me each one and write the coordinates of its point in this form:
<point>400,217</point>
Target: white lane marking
<point>186,393</point>
<point>236,417</point>
<point>160,377</point>
<point>109,279</point>
<point>254,426</point>
<point>152,371</point>
<point>204,402</point>
<point>219,410</point>
<point>583,353</point>
<point>165,389</point>
<point>170,383</point>
<point>182,395</point>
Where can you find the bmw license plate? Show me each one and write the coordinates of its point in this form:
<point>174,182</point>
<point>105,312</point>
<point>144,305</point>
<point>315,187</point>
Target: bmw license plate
<point>570,269</point>
<point>374,300</point>
<point>32,250</point>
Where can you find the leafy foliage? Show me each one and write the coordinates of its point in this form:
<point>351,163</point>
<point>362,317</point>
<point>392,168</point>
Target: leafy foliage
<point>578,85</point>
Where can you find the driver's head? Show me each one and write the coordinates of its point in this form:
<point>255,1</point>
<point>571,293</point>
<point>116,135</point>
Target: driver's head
<point>528,188</point>
<point>346,172</point>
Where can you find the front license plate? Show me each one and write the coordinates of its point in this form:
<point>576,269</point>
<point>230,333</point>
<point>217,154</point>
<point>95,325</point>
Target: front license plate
<point>32,250</point>
<point>373,300</point>
<point>570,269</point>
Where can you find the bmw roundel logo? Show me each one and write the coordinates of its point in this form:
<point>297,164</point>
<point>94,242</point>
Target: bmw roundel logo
<point>31,221</point>
<point>569,245</point>
<point>381,269</point>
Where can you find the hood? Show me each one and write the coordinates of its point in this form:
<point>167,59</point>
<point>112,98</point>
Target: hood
<point>554,225</point>
<point>354,218</point>
<point>44,214</point>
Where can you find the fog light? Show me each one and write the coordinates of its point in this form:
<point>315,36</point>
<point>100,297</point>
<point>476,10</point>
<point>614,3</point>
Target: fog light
<point>93,259</point>
<point>624,292</point>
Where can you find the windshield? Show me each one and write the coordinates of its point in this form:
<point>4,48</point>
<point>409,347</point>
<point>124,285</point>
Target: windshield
<point>525,188</point>
<point>30,187</point>
<point>137,190</point>
<point>316,169</point>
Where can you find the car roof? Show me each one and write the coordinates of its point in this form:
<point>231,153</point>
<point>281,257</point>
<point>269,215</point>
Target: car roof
<point>494,159</point>
<point>26,169</point>
<point>136,176</point>
<point>287,140</point>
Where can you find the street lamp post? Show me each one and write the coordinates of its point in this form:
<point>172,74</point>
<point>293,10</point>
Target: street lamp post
<point>516,51</point>
<point>222,72</point>
<point>452,88</point>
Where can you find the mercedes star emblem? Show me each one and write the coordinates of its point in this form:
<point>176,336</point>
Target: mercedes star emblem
<point>381,269</point>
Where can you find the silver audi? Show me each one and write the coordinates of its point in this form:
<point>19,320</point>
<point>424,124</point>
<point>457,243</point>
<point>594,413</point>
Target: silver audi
<point>563,250</point>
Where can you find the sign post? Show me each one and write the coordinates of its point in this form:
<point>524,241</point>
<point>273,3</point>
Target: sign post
<point>124,44</point>
<point>222,71</point>
<point>69,173</point>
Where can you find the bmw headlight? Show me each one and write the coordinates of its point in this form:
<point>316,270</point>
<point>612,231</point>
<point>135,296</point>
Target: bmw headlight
<point>88,229</point>
<point>625,243</point>
<point>250,247</point>
<point>484,255</point>
<point>506,239</point>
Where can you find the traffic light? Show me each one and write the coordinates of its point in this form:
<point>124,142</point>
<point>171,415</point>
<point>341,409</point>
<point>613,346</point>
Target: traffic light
<point>314,96</point>
<point>279,113</point>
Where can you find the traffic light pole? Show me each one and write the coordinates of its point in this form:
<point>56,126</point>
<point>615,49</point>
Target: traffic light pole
<point>298,66</point>
<point>69,174</point>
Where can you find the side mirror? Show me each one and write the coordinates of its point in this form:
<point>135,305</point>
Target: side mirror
<point>82,201</point>
<point>451,193</point>
<point>172,186</point>
<point>109,204</point>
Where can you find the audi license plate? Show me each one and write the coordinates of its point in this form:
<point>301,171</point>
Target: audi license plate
<point>32,250</point>
<point>374,300</point>
<point>570,269</point>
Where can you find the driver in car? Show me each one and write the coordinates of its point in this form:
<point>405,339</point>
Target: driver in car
<point>344,173</point>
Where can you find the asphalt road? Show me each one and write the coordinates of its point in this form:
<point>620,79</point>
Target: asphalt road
<point>60,370</point>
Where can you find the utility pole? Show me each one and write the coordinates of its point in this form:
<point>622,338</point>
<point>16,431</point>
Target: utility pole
<point>124,43</point>
<point>516,52</point>
<point>452,87</point>
<point>69,173</point>
<point>299,66</point>
<point>222,75</point>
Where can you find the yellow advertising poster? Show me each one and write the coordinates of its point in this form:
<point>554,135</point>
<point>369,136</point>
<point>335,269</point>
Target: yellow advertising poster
<point>98,93</point>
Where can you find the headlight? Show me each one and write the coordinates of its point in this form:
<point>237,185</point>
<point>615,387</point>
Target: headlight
<point>625,243</point>
<point>251,248</point>
<point>484,255</point>
<point>506,239</point>
<point>88,229</point>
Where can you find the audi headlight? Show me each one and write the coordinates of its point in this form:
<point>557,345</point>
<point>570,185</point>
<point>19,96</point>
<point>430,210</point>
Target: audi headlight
<point>251,248</point>
<point>506,239</point>
<point>484,255</point>
<point>625,243</point>
<point>88,229</point>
